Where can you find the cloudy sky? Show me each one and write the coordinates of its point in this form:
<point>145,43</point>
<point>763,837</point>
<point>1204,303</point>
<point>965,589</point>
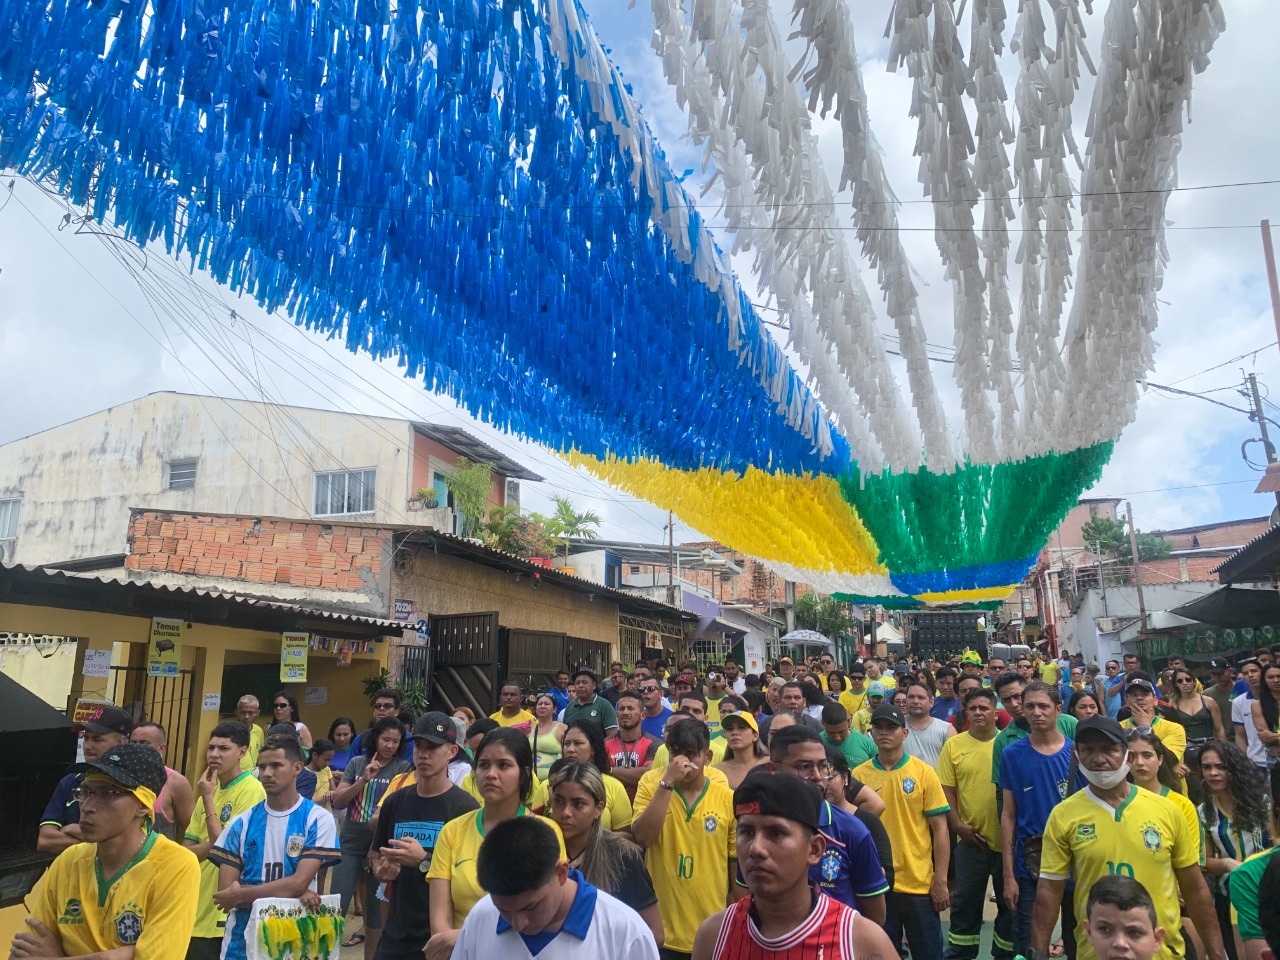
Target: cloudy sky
<point>87,322</point>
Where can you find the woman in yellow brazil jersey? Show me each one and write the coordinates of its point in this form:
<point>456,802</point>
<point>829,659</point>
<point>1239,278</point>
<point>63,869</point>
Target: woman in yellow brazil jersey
<point>504,777</point>
<point>124,891</point>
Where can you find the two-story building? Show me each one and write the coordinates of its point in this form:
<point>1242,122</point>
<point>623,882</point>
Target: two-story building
<point>66,492</point>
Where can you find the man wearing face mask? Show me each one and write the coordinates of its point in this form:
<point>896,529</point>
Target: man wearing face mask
<point>1113,828</point>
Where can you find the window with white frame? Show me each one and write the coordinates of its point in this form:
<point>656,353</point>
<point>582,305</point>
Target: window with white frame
<point>8,525</point>
<point>180,474</point>
<point>343,492</point>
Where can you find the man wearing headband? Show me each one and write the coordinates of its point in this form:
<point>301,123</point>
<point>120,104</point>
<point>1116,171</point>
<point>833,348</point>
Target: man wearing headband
<point>777,817</point>
<point>125,886</point>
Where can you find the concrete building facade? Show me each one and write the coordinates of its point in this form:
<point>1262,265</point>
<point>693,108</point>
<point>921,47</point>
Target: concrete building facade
<point>65,493</point>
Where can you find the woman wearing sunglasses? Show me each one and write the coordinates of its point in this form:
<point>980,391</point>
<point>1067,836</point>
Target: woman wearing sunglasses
<point>1202,719</point>
<point>284,709</point>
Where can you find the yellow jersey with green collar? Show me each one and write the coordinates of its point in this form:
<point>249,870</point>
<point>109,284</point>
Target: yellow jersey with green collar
<point>228,803</point>
<point>257,737</point>
<point>149,905</point>
<point>965,765</point>
<point>912,794</point>
<point>454,859</point>
<point>689,863</point>
<point>1146,838</point>
<point>538,799</point>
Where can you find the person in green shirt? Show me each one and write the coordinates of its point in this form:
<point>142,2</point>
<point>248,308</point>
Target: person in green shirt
<point>588,705</point>
<point>857,748</point>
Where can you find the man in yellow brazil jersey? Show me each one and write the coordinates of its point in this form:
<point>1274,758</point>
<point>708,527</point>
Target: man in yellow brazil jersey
<point>125,891</point>
<point>1113,828</point>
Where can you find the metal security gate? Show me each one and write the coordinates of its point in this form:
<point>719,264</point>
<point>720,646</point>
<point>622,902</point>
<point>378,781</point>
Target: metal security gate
<point>534,657</point>
<point>466,650</point>
<point>164,700</point>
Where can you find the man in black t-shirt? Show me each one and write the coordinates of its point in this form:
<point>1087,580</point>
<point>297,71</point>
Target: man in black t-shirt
<point>409,821</point>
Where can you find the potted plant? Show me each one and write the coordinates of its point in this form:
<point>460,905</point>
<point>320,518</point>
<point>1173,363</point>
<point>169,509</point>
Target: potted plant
<point>429,497</point>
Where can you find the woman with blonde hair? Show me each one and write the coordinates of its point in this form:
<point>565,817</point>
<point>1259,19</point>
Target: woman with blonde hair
<point>608,861</point>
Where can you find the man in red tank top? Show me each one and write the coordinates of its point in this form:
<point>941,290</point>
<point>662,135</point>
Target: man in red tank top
<point>784,918</point>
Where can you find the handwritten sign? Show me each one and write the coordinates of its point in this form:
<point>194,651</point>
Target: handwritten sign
<point>293,657</point>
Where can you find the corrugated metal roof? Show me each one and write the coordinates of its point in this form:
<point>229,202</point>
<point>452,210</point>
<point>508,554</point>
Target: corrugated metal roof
<point>474,449</point>
<point>157,589</point>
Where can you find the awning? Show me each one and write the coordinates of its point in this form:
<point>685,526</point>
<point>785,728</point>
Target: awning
<point>1259,559</point>
<point>1233,607</point>
<point>44,732</point>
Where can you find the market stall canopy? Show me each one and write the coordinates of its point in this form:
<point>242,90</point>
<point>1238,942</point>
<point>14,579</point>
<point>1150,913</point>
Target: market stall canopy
<point>804,636</point>
<point>1233,607</point>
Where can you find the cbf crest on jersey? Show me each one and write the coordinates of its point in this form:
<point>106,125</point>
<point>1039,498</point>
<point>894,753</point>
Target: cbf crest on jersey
<point>1151,838</point>
<point>909,785</point>
<point>830,866</point>
<point>709,824</point>
<point>128,926</point>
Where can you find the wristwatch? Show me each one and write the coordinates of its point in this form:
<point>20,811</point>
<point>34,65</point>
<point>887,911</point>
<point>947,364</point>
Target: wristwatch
<point>666,786</point>
<point>424,865</point>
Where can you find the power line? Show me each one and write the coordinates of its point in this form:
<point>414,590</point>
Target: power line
<point>1219,366</point>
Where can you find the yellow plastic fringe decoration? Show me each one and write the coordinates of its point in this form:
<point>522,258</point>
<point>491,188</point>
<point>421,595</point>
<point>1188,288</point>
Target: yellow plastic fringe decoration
<point>967,596</point>
<point>799,520</point>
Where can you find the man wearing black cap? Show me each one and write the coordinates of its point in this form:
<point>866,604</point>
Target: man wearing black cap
<point>777,822</point>
<point>915,815</point>
<point>588,705</point>
<point>107,727</point>
<point>404,837</point>
<point>125,891</point>
<point>1112,827</point>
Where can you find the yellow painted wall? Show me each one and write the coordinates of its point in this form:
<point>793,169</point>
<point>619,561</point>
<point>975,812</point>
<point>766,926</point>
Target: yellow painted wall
<point>205,648</point>
<point>46,672</point>
<point>442,584</point>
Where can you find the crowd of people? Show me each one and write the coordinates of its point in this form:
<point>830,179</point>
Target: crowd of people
<point>807,811</point>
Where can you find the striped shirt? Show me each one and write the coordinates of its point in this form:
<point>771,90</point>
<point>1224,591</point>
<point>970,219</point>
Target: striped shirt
<point>827,932</point>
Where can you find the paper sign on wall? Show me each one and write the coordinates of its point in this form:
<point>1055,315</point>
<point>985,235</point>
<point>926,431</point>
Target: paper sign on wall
<point>293,657</point>
<point>164,654</point>
<point>97,663</point>
<point>212,702</point>
<point>315,696</point>
<point>404,610</point>
<point>753,653</point>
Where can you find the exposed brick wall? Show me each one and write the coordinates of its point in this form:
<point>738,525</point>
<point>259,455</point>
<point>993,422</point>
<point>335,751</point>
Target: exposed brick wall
<point>305,554</point>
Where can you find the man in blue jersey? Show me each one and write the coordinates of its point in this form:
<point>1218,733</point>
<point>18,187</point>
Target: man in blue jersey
<point>274,849</point>
<point>1034,777</point>
<point>849,869</point>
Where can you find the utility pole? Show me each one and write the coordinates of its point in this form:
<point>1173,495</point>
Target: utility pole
<point>1102,584</point>
<point>671,560</point>
<point>1137,568</point>
<point>1255,401</point>
<point>789,601</point>
<point>1270,256</point>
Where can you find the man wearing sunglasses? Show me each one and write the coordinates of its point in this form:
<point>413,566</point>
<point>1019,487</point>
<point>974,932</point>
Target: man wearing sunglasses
<point>125,888</point>
<point>656,712</point>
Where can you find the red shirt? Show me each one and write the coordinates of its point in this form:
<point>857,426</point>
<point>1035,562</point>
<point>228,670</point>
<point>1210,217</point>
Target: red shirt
<point>632,754</point>
<point>827,933</point>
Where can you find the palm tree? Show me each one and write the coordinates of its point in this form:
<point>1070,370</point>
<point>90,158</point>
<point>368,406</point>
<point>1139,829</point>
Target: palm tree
<point>568,522</point>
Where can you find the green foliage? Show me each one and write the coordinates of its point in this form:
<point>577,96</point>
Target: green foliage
<point>568,521</point>
<point>414,696</point>
<point>379,681</point>
<point>470,484</point>
<point>829,616</point>
<point>525,535</point>
<point>1112,540</point>
<point>429,497</point>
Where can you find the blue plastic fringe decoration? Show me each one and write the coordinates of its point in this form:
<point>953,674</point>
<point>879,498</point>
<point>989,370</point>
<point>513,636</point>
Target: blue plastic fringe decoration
<point>434,185</point>
<point>964,578</point>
